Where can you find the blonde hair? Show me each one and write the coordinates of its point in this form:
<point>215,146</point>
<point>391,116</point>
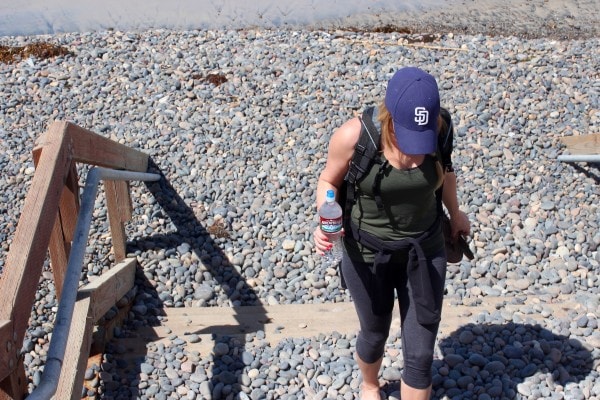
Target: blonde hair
<point>388,138</point>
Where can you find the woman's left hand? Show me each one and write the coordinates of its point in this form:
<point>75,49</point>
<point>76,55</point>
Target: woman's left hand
<point>460,224</point>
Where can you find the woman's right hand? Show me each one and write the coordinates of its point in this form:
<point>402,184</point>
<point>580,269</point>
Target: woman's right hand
<point>322,243</point>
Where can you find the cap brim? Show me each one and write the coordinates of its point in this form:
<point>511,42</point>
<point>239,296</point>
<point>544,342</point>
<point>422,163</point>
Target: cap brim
<point>415,142</point>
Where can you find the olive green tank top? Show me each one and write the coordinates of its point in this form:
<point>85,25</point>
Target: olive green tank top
<point>409,207</point>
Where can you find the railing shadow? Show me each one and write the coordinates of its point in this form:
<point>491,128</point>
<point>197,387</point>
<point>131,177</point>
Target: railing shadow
<point>595,175</point>
<point>226,358</point>
<point>498,361</point>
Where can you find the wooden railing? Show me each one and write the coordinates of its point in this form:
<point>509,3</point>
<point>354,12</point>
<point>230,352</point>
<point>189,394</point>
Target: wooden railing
<point>47,225</point>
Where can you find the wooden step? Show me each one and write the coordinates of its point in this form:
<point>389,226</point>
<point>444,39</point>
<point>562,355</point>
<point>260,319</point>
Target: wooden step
<point>582,144</point>
<point>198,325</point>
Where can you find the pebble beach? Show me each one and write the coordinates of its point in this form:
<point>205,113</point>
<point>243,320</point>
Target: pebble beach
<point>238,122</point>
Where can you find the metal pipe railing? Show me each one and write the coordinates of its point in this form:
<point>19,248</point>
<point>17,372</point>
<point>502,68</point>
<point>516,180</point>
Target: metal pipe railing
<point>593,158</point>
<point>58,344</point>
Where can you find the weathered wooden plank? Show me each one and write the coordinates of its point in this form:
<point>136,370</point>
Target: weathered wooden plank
<point>64,229</point>
<point>91,148</point>
<point>8,349</point>
<point>29,247</point>
<point>76,354</point>
<point>582,144</point>
<point>104,332</point>
<point>288,321</point>
<point>119,207</point>
<point>109,288</point>
<point>14,386</point>
<point>291,320</point>
<point>58,247</point>
<point>93,301</point>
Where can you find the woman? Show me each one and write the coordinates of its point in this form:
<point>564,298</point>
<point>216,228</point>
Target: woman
<point>407,218</point>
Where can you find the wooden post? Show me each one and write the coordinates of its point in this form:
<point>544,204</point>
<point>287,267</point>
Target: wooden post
<point>15,386</point>
<point>93,301</point>
<point>118,202</point>
<point>64,229</point>
<point>75,359</point>
<point>25,259</point>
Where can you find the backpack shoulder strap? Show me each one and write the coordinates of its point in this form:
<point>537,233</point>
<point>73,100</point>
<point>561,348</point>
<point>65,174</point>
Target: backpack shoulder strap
<point>366,149</point>
<point>446,141</point>
<point>366,153</point>
<point>444,152</point>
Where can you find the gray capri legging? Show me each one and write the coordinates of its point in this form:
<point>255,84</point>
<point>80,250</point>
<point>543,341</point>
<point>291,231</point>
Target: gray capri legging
<point>418,340</point>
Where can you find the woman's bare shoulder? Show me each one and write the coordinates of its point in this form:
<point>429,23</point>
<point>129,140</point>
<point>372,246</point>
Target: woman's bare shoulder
<point>346,136</point>
<point>341,149</point>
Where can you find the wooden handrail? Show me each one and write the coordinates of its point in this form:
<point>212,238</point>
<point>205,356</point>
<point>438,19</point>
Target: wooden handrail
<point>52,194</point>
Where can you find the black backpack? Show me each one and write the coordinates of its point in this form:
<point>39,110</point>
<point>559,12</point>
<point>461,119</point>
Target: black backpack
<point>366,155</point>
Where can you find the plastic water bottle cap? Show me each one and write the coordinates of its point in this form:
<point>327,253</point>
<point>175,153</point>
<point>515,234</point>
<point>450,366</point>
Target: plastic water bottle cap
<point>330,195</point>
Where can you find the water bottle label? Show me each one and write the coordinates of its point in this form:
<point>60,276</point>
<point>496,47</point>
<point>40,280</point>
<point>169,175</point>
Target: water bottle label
<point>331,225</point>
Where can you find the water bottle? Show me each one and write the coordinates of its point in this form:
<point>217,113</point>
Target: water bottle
<point>330,221</point>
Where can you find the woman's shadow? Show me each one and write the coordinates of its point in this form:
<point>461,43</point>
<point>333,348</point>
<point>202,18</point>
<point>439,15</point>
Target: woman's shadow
<point>500,361</point>
<point>227,366</point>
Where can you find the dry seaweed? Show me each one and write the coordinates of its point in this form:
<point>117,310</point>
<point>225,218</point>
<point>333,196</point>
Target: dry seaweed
<point>218,229</point>
<point>388,28</point>
<point>216,79</point>
<point>40,50</point>
<point>213,79</point>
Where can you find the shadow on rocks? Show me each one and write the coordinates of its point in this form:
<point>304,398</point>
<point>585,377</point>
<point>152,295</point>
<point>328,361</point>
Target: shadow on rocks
<point>595,175</point>
<point>507,361</point>
<point>222,379</point>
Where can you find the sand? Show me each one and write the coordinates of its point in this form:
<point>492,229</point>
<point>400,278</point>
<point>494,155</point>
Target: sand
<point>534,18</point>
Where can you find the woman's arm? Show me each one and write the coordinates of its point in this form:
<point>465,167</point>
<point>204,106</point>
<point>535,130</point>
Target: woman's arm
<point>458,220</point>
<point>341,149</point>
<point>339,154</point>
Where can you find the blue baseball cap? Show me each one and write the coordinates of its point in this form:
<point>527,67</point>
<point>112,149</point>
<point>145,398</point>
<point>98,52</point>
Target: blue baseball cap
<point>413,99</point>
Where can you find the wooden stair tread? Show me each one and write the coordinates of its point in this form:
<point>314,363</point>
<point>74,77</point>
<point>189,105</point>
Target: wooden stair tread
<point>199,326</point>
